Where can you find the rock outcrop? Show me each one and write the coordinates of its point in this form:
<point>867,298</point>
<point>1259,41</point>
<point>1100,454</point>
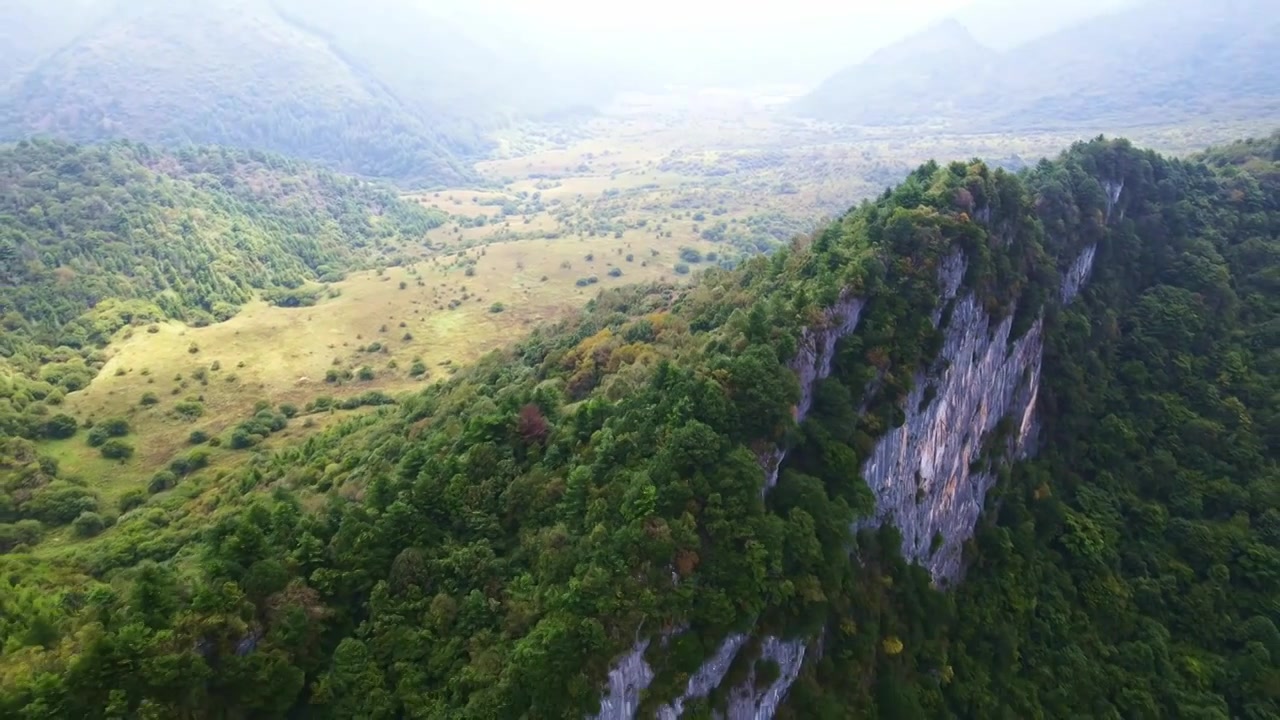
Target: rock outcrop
<point>973,407</point>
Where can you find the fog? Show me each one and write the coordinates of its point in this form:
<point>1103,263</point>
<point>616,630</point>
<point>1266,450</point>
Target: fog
<point>723,42</point>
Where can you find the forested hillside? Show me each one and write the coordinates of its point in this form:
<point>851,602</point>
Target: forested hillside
<point>490,546</point>
<point>387,90</point>
<point>1178,61</point>
<point>93,239</point>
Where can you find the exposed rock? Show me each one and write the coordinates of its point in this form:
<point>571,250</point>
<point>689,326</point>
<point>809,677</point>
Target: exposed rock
<point>920,472</point>
<point>1077,274</point>
<point>629,676</point>
<point>748,702</point>
<point>929,475</point>
<point>817,348</point>
<point>708,676</point>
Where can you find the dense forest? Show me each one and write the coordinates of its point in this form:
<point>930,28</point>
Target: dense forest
<point>94,239</point>
<point>486,548</point>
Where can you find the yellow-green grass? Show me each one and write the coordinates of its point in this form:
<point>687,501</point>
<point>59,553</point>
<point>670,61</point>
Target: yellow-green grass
<point>281,355</point>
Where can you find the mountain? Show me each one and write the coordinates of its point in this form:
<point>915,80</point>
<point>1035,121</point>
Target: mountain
<point>374,89</point>
<point>1006,24</point>
<point>992,445</point>
<point>899,83</point>
<point>1154,62</point>
<point>93,239</point>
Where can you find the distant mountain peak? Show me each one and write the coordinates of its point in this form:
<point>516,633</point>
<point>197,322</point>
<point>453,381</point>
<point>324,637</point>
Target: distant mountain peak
<point>1187,59</point>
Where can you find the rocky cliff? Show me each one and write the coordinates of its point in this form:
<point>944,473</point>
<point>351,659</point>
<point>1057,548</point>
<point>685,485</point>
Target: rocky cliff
<point>972,407</point>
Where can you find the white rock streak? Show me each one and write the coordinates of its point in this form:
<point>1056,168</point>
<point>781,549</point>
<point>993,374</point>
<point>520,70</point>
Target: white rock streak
<point>927,474</point>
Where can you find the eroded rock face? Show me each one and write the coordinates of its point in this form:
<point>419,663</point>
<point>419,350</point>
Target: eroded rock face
<point>748,702</point>
<point>707,678</point>
<point>629,676</point>
<point>930,476</point>
<point>816,351</point>
<point>920,472</point>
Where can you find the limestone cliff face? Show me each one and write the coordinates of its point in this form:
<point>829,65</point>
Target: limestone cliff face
<point>920,472</point>
<point>929,476</point>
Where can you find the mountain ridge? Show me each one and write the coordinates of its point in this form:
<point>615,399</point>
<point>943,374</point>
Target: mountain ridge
<point>253,74</point>
<point>1198,59</point>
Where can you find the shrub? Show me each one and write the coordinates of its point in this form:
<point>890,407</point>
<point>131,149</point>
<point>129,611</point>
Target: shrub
<point>615,272</point>
<point>23,532</point>
<point>132,499</point>
<point>681,269</point>
<point>365,373</point>
<point>88,524</point>
<point>114,427</point>
<point>116,449</point>
<point>241,439</point>
<point>189,409</point>
<point>189,463</point>
<point>193,348</point>
<point>60,502</point>
<point>497,307</point>
<point>689,254</point>
<point>418,369</point>
<point>149,399</point>
<point>470,271</point>
<point>60,426</point>
<point>198,437</point>
<point>161,481</point>
<point>288,410</point>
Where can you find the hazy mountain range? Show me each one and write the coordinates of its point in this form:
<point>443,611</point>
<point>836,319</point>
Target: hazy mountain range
<point>384,88</point>
<point>1150,63</point>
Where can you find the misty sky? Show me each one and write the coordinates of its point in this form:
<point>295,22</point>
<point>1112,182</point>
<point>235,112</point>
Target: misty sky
<point>769,41</point>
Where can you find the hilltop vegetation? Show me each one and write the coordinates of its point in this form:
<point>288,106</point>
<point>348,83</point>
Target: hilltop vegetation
<point>486,548</point>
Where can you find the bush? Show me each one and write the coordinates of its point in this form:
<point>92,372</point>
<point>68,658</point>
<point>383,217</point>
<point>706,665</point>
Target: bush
<point>497,307</point>
<point>320,404</point>
<point>365,373</point>
<point>60,502</point>
<point>113,427</point>
<point>161,481</point>
<point>130,500</point>
<point>242,439</point>
<point>681,269</point>
<point>615,272</point>
<point>189,409</point>
<point>418,369</point>
<point>689,254</point>
<point>116,449</point>
<point>288,410</point>
<point>23,532</point>
<point>149,399</point>
<point>193,348</point>
<point>60,426</point>
<point>198,437</point>
<point>189,463</point>
<point>88,524</point>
